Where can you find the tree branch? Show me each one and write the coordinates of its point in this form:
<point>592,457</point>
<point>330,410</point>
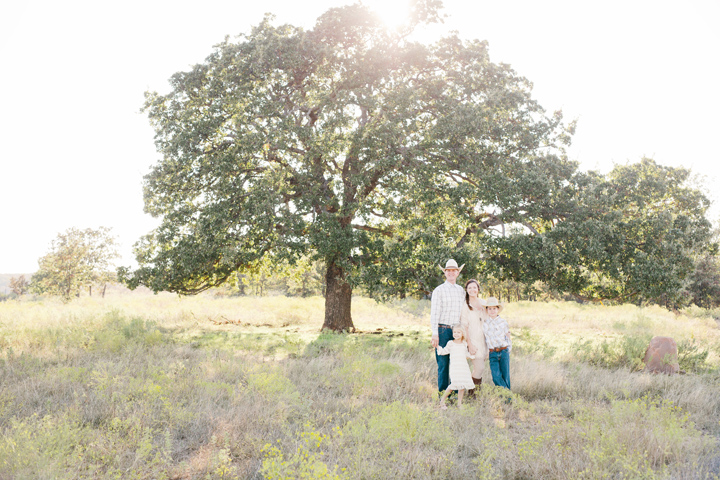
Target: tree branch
<point>525,224</point>
<point>387,233</point>
<point>491,221</point>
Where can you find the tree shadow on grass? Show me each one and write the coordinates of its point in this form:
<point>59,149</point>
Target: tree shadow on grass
<point>281,342</point>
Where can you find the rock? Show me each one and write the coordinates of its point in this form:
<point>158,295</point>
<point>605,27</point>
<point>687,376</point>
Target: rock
<point>661,356</point>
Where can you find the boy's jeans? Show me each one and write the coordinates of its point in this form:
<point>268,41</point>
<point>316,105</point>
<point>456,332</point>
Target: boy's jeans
<point>500,368</point>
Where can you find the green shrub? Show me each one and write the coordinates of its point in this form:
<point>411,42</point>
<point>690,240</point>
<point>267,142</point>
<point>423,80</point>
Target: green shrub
<point>271,383</point>
<point>304,463</point>
<point>37,447</point>
<point>397,440</point>
<point>624,352</point>
<point>692,356</point>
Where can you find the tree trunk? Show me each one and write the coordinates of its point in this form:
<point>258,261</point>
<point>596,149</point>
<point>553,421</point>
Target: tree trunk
<point>338,298</point>
<point>241,284</point>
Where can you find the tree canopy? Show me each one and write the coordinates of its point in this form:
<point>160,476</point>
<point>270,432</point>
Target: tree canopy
<point>351,144</point>
<point>633,235</point>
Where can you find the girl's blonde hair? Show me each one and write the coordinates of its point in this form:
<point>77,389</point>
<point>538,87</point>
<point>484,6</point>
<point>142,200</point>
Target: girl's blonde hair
<point>462,330</point>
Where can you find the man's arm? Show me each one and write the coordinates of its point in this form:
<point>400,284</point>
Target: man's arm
<point>435,310</point>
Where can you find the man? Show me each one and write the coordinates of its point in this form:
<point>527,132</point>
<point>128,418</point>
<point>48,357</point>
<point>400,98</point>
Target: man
<point>445,308</point>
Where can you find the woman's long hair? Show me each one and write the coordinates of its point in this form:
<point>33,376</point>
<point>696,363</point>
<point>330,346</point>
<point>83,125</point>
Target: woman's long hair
<point>467,295</point>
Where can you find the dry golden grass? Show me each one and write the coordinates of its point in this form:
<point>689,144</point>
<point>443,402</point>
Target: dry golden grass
<point>561,324</point>
<point>143,386</point>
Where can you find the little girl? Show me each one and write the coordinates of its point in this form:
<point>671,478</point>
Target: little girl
<point>460,378</point>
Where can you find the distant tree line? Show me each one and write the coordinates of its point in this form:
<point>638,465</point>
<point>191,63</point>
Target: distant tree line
<point>81,259</point>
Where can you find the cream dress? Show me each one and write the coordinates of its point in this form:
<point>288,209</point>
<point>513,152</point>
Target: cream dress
<point>459,370</point>
<point>472,322</point>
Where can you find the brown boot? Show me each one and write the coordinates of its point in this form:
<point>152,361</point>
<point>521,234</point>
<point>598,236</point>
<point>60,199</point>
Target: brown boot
<point>471,392</point>
<point>477,382</point>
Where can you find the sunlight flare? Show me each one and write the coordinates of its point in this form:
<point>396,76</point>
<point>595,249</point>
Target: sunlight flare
<point>393,13</point>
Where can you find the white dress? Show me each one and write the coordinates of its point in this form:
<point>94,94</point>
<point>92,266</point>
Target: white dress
<point>460,377</point>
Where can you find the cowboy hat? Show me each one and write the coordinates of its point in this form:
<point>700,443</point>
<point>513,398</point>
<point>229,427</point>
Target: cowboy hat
<point>452,264</point>
<point>493,302</point>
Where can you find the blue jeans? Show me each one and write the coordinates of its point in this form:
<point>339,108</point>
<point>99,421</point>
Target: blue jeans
<point>500,368</point>
<point>443,361</point>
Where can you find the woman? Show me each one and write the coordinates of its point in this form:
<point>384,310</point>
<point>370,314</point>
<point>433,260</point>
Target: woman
<point>471,319</point>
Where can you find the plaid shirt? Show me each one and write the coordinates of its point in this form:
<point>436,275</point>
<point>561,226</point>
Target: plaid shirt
<point>497,333</point>
<point>446,305</point>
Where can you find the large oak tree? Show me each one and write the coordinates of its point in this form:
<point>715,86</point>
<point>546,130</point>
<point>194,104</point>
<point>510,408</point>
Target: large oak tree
<point>350,143</point>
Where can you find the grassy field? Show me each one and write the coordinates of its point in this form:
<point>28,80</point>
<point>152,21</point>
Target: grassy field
<point>161,387</point>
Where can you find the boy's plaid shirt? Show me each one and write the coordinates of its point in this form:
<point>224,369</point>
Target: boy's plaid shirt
<point>495,332</point>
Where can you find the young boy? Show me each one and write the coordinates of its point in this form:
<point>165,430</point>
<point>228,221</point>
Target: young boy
<point>497,337</point>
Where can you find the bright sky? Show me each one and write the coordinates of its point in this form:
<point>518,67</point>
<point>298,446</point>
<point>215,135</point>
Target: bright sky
<point>641,77</point>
